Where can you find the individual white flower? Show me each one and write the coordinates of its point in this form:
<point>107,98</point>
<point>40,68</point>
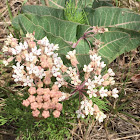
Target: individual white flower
<point>30,57</point>
<point>18,77</point>
<point>103,92</point>
<point>9,38</point>
<point>102,65</point>
<point>112,81</point>
<point>58,62</point>
<point>95,57</point>
<point>18,68</point>
<point>71,54</point>
<point>87,68</point>
<point>36,51</point>
<point>48,51</point>
<point>19,48</point>
<point>114,93</point>
<point>27,81</point>
<point>80,114</point>
<point>60,82</point>
<point>30,35</point>
<point>5,49</point>
<point>31,68</point>
<point>44,41</point>
<point>110,72</point>
<point>75,80</point>
<point>13,51</point>
<point>90,84</point>
<point>39,72</point>
<point>92,93</point>
<point>100,116</point>
<point>98,80</point>
<point>71,72</point>
<point>5,62</point>
<point>55,71</point>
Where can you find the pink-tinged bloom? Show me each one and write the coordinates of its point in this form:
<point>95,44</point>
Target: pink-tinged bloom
<point>106,76</point>
<point>53,93</point>
<point>45,114</point>
<point>46,97</point>
<point>40,91</point>
<point>46,91</point>
<point>32,44</point>
<point>47,81</point>
<point>55,87</point>
<point>59,106</point>
<point>55,100</point>
<point>39,99</point>
<point>58,94</point>
<point>40,105</point>
<point>34,105</point>
<point>56,113</point>
<point>52,105</point>
<point>64,68</point>
<point>25,103</point>
<point>35,113</point>
<point>18,58</point>
<point>31,98</point>
<point>32,90</point>
<point>39,84</point>
<point>46,105</point>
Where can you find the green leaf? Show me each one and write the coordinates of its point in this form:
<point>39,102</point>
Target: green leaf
<point>99,3</point>
<point>43,11</point>
<point>115,42</point>
<point>57,3</point>
<point>113,17</point>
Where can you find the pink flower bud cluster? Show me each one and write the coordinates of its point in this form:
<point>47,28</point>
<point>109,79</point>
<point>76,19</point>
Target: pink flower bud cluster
<point>43,101</point>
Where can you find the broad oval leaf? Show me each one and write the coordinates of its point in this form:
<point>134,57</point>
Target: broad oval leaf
<point>114,17</point>
<point>43,11</point>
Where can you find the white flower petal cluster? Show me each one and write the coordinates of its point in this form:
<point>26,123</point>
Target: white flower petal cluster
<point>55,71</point>
<point>103,92</point>
<point>114,93</point>
<point>87,68</point>
<point>100,116</point>
<point>39,72</point>
<point>18,72</point>
<point>44,41</point>
<point>98,80</point>
<point>71,54</point>
<point>60,81</point>
<point>30,57</point>
<point>110,72</point>
<point>5,49</point>
<point>85,109</point>
<point>36,51</point>
<point>97,59</point>
<point>27,81</point>
<point>49,50</point>
<point>74,76</point>
<point>19,48</point>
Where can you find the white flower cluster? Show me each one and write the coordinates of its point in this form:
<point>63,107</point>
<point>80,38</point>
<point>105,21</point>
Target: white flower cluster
<point>19,48</point>
<point>87,108</point>
<point>97,59</point>
<point>36,61</point>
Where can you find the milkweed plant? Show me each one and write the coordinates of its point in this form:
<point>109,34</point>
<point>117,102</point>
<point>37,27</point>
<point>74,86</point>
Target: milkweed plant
<point>38,66</point>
